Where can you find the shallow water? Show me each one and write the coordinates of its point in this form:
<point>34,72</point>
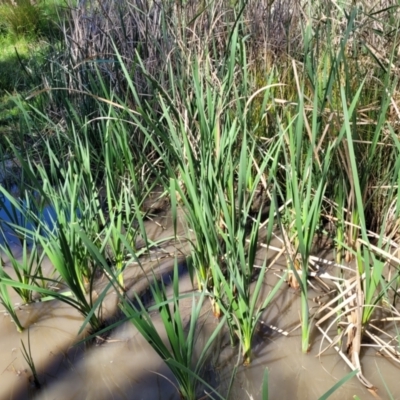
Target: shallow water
<point>10,216</point>
<point>124,366</point>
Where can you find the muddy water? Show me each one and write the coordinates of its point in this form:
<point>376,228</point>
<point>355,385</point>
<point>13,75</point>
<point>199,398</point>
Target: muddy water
<point>124,366</point>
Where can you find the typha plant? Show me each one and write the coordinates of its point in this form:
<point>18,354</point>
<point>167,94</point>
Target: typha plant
<point>369,267</point>
<point>305,185</point>
<point>179,353</point>
<point>23,254</point>
<point>240,282</point>
<point>308,156</point>
<point>58,237</point>
<point>27,267</point>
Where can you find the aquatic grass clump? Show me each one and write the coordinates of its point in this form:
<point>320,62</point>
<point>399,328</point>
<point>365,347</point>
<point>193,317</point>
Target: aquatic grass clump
<point>27,267</point>
<point>202,153</point>
<point>6,302</point>
<point>63,258</point>
<point>367,263</point>
<point>312,148</point>
<point>242,284</point>
<point>180,354</point>
<point>121,236</point>
<point>66,203</point>
<point>304,188</point>
<point>57,236</point>
<point>21,222</point>
<point>68,287</point>
<point>18,234</point>
<point>238,283</point>
<point>361,296</point>
<point>197,167</point>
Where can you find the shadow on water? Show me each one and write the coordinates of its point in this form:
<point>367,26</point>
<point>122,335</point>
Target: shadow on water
<point>123,366</point>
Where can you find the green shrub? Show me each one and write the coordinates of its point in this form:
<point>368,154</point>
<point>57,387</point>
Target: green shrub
<point>21,17</point>
<point>28,18</point>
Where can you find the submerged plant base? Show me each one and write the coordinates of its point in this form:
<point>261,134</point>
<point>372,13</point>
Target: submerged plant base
<point>215,308</point>
<point>247,355</point>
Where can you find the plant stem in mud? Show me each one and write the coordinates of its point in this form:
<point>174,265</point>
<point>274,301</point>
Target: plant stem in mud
<point>27,354</point>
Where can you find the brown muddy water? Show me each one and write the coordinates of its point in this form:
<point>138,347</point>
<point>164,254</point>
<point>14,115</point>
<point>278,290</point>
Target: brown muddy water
<point>124,366</point>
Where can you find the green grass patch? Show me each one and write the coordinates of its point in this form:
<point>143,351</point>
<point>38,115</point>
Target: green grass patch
<point>25,31</point>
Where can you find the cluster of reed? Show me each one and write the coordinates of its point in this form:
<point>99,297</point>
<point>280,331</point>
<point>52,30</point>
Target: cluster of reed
<point>285,122</point>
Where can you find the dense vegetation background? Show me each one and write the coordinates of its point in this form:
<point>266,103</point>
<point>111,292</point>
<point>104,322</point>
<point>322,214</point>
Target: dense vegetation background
<point>250,115</point>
